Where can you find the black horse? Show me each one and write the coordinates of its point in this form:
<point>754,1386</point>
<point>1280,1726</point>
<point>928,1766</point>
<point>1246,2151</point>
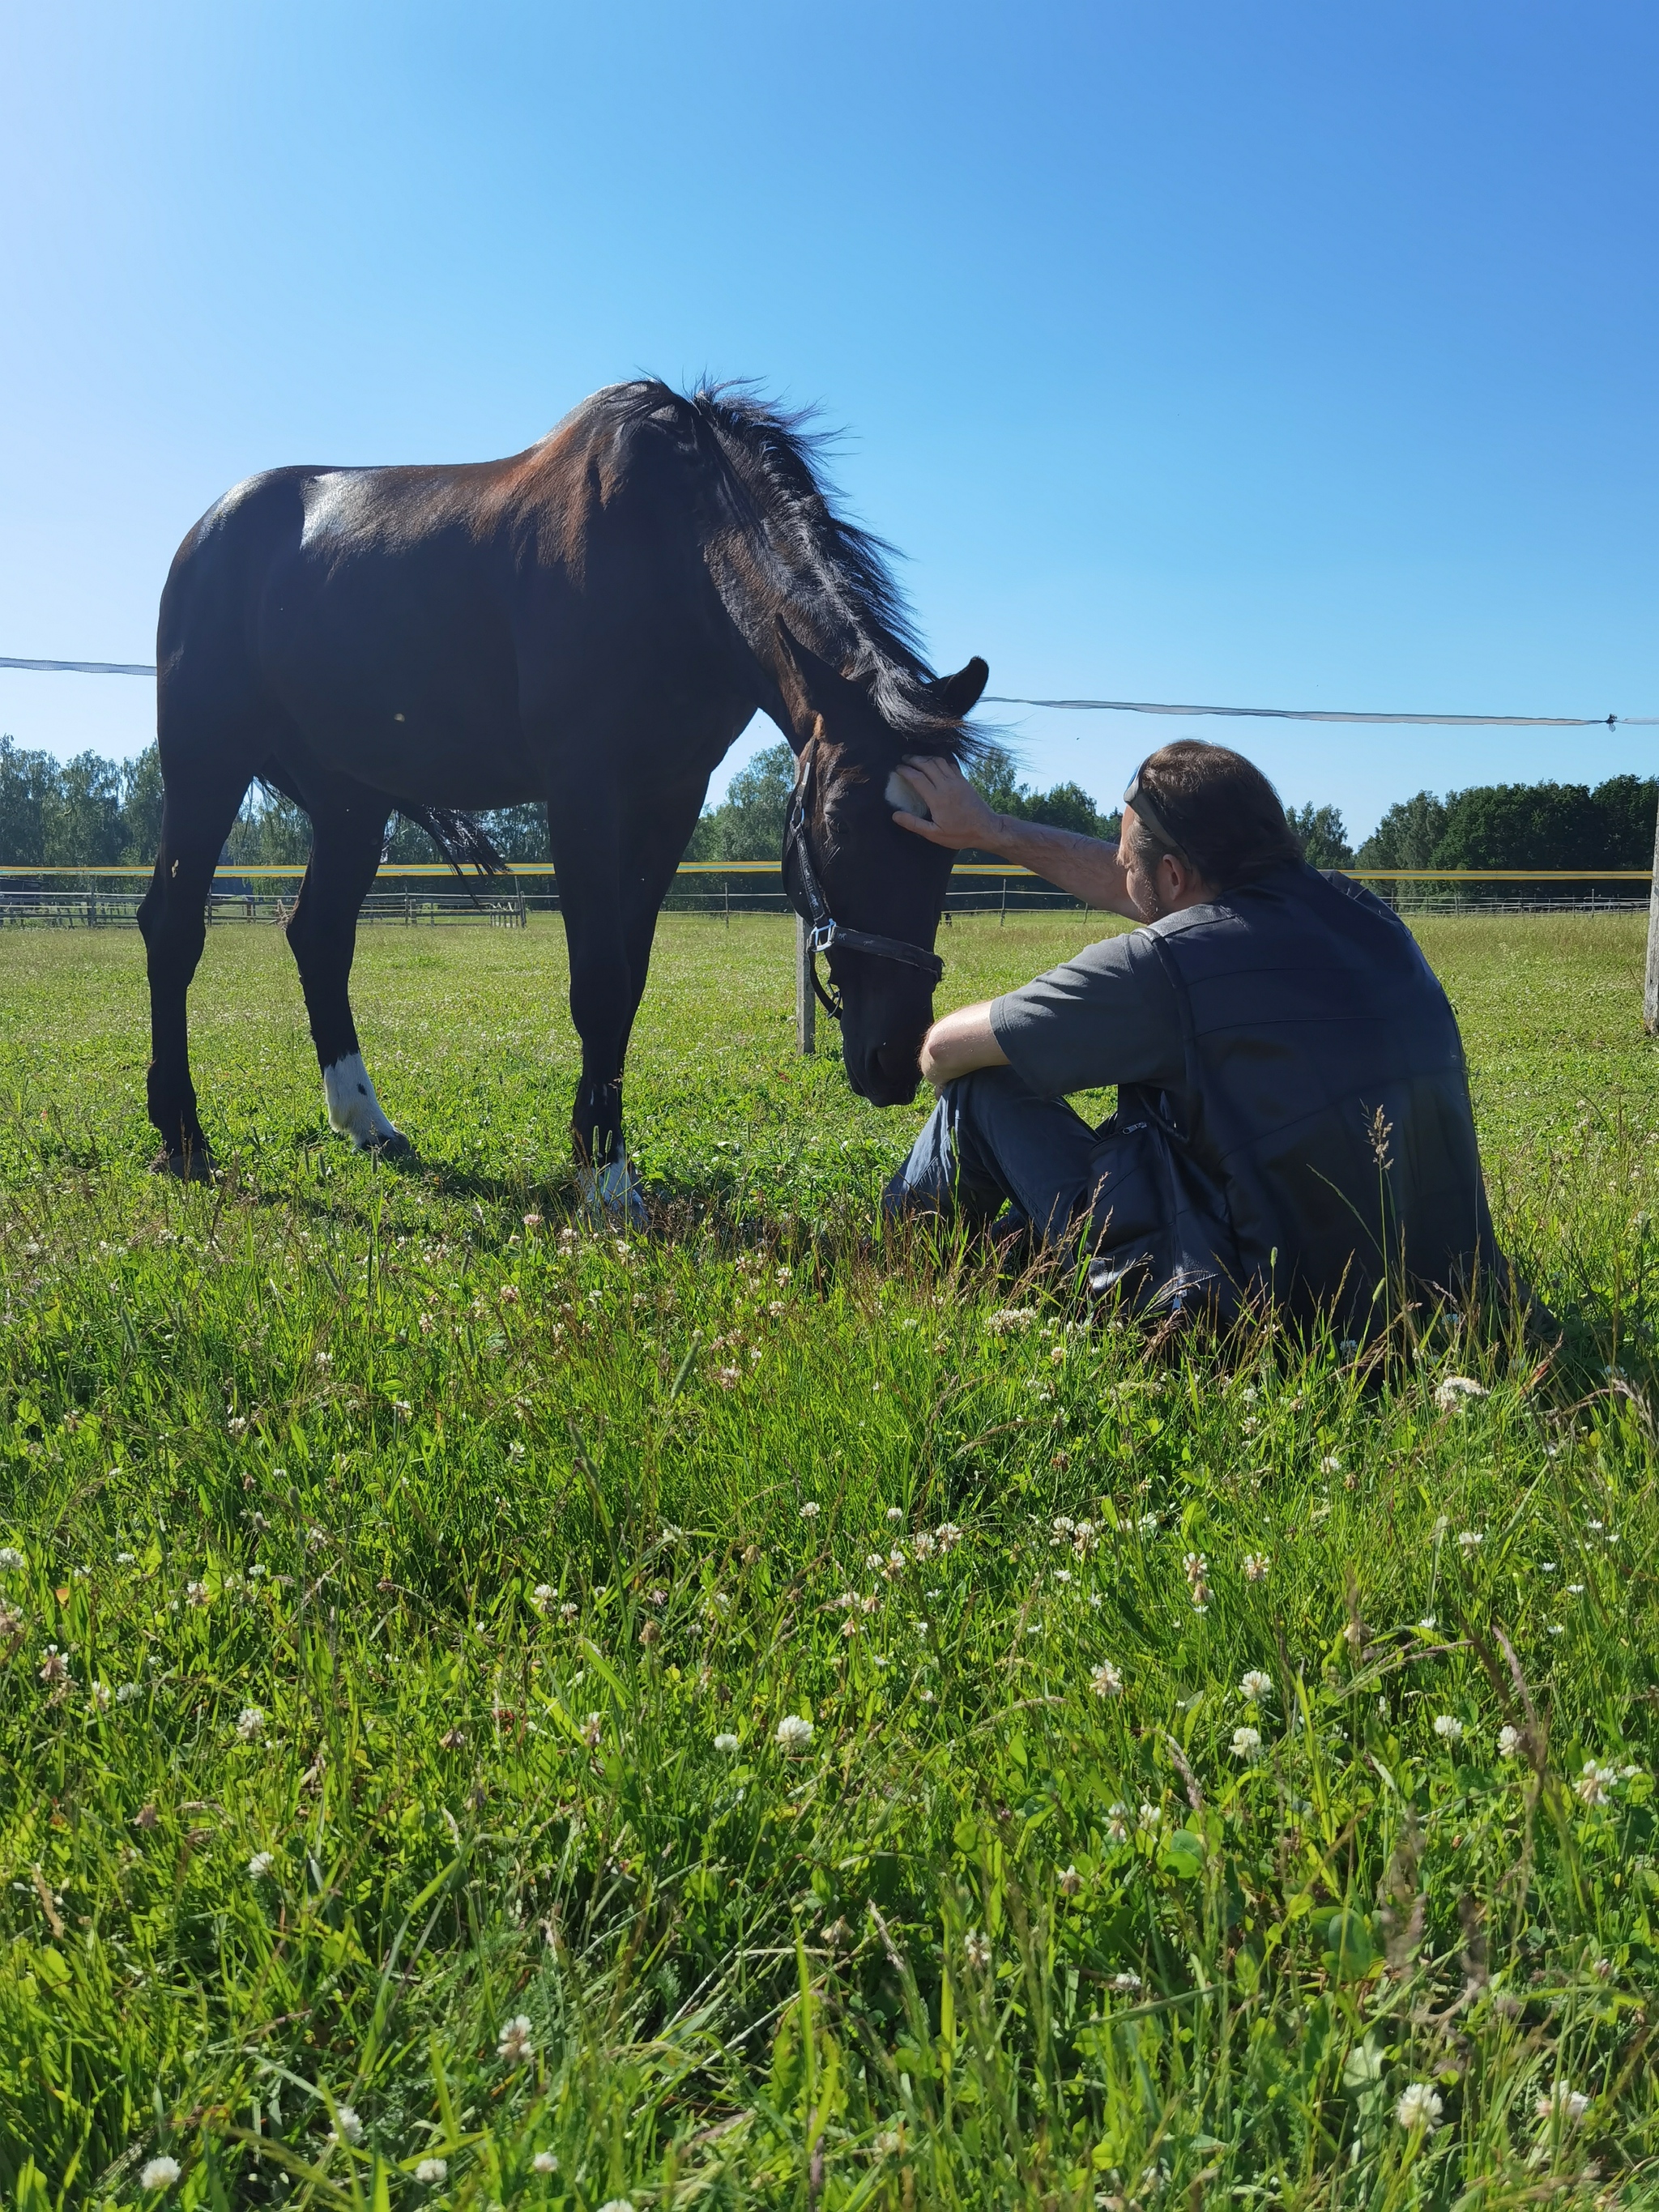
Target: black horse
<point>590,624</point>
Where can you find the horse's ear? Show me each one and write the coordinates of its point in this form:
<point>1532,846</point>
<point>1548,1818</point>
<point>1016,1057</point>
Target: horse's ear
<point>808,682</point>
<point>960,693</point>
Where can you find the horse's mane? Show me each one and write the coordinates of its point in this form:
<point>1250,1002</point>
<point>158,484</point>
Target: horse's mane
<point>797,555</point>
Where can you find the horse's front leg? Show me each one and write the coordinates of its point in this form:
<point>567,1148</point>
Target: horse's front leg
<point>587,854</point>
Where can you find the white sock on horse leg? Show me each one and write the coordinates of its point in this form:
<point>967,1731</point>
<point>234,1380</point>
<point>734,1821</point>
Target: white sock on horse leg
<point>353,1111</point>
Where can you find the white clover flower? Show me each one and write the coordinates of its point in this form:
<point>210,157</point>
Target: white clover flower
<point>794,1733</point>
<point>98,1696</point>
<point>728,1743</point>
<point>1246,1742</point>
<point>1594,1781</point>
<point>54,1667</point>
<point>1420,2107</point>
<point>873,1563</point>
<point>1150,1814</point>
<point>617,2204</point>
<point>1125,1983</point>
<point>948,1535</point>
<point>976,1949</point>
<point>160,2173</point>
<point>1071,1881</point>
<point>1256,1567</point>
<point>1117,1823</point>
<point>1509,1741</point>
<point>1007,1319</point>
<point>1429,1621</point>
<point>348,2128</point>
<point>542,1595</point>
<point>888,2143</point>
<point>1563,2104</point>
<point>591,1728</point>
<point>810,1511</point>
<point>431,2171</point>
<point>198,1593</point>
<point>1455,1391</point>
<point>545,2161</point>
<point>1448,1728</point>
<point>1255,1686</point>
<point>513,2043</point>
<point>250,1722</point>
<point>1330,1464</point>
<point>896,1513</point>
<point>260,1865</point>
<point>1105,1680</point>
<point>128,1692</point>
<point>1470,1541</point>
<point>568,1611</point>
<point>10,1559</point>
<point>126,1558</point>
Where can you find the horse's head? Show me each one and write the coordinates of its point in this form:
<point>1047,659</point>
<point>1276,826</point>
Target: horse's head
<point>847,860</point>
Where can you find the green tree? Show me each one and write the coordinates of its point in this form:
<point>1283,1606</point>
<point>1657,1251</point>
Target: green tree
<point>1628,806</point>
<point>84,826</point>
<point>749,824</point>
<point>1408,836</point>
<point>1522,825</point>
<point>29,785</point>
<point>141,794</point>
<point>1322,834</point>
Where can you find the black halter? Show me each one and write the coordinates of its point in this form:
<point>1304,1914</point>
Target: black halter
<point>824,932</point>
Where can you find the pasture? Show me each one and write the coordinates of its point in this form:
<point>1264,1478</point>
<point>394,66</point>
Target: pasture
<point>495,1715</point>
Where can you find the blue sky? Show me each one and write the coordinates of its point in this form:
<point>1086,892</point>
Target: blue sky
<point>1283,355</point>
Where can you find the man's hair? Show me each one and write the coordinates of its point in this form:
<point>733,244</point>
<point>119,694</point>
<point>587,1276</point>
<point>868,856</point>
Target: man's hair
<point>1218,809</point>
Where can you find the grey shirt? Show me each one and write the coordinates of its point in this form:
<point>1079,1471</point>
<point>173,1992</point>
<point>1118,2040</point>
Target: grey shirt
<point>1108,1017</point>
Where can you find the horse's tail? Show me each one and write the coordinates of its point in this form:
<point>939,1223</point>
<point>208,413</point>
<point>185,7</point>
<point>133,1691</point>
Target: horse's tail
<point>462,841</point>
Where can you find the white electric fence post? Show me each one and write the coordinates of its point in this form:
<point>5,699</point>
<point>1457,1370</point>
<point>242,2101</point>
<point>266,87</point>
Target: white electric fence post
<point>807,1005</point>
<point>1650,990</point>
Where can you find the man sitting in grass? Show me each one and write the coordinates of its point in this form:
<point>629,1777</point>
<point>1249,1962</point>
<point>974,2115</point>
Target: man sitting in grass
<point>1293,1116</point>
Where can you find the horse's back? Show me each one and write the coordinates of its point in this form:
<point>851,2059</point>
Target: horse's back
<point>410,625</point>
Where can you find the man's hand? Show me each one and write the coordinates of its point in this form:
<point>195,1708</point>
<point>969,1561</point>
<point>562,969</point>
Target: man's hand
<point>961,816</point>
<point>959,1043</point>
<point>1086,867</point>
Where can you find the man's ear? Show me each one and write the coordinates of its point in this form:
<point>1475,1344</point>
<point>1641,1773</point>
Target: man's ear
<point>959,694</point>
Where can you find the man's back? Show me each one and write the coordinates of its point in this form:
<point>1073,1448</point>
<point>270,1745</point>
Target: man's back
<point>1326,1097</point>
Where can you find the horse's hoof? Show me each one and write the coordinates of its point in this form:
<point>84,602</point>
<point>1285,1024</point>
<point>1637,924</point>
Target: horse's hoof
<point>612,1197</point>
<point>396,1146</point>
<point>194,1164</point>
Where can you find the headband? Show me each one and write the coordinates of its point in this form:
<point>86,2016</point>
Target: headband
<point>1143,805</point>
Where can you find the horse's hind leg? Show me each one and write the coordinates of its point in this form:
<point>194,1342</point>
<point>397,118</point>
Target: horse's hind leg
<point>349,826</point>
<point>196,820</point>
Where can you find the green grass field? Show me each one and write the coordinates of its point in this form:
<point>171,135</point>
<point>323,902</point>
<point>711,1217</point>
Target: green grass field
<point>491,1713</point>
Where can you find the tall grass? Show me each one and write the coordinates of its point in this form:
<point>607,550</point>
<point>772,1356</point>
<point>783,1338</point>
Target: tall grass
<point>412,1586</point>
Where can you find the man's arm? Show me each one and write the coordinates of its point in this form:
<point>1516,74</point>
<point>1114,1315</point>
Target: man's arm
<point>1085,867</point>
<point>959,1043</point>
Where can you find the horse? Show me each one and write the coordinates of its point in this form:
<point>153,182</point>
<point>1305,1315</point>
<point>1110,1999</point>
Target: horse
<point>590,624</point>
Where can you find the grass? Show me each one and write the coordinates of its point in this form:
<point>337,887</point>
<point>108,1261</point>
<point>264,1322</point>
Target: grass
<point>405,1600</point>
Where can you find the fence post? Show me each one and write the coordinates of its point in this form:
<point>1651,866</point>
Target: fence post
<point>1651,989</point>
<point>807,1005</point>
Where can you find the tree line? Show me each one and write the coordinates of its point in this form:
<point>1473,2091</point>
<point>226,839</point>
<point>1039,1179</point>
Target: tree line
<point>90,812</point>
